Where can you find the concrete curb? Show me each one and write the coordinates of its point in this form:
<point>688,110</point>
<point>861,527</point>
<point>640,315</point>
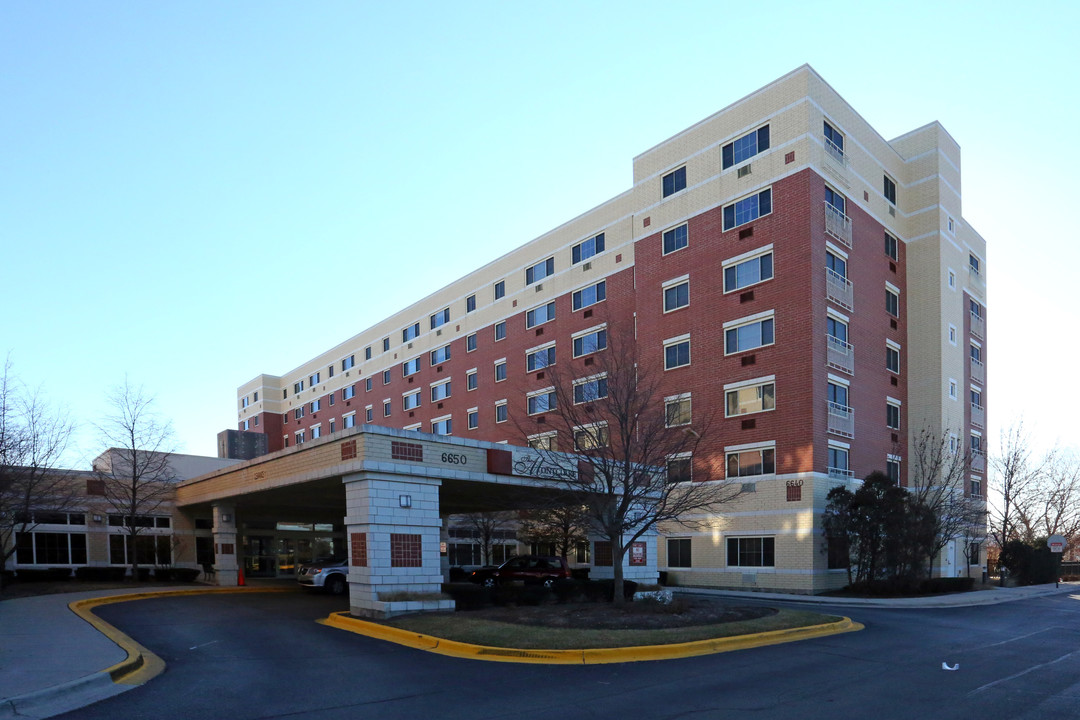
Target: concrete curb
<point>591,656</point>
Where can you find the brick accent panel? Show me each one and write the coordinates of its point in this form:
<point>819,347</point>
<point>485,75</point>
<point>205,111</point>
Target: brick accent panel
<point>405,550</point>
<point>406,451</point>
<point>95,488</point>
<point>228,549</point>
<point>500,462</point>
<point>359,550</point>
<point>348,450</point>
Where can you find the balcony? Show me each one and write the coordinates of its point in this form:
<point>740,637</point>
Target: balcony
<point>978,326</point>
<point>841,420</point>
<point>978,461</point>
<point>834,152</point>
<point>978,371</point>
<point>838,224</point>
<point>840,355</point>
<point>976,280</point>
<point>841,473</point>
<point>839,289</point>
<point>978,415</point>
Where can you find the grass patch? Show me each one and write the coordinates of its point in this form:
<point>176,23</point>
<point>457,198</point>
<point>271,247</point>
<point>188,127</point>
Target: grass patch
<point>478,631</point>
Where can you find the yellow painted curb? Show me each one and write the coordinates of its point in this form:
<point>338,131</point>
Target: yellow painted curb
<point>141,665</point>
<point>592,656</point>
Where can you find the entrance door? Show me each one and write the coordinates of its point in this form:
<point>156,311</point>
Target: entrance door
<point>259,558</point>
<point>286,556</point>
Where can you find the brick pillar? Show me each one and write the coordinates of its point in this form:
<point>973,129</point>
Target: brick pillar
<point>226,553</point>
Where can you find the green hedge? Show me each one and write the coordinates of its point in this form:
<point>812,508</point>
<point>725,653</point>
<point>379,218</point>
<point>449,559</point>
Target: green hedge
<point>101,574</point>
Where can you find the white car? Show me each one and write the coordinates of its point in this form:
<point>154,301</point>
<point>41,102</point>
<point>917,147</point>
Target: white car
<point>330,574</point>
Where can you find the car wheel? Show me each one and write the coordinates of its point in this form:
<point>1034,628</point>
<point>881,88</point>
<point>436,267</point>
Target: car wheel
<point>488,582</point>
<point>549,583</point>
<point>336,585</point>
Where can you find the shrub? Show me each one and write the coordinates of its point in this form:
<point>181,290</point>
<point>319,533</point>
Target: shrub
<point>946,585</point>
<point>43,575</point>
<point>185,575</point>
<point>163,574</point>
<point>144,574</point>
<point>100,574</point>
<point>468,596</point>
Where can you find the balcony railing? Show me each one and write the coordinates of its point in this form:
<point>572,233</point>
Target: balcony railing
<point>841,420</point>
<point>978,415</point>
<point>978,461</point>
<point>839,289</point>
<point>976,280</point>
<point>837,224</point>
<point>978,371</point>
<point>841,473</point>
<point>978,326</point>
<point>840,355</point>
<point>835,152</point>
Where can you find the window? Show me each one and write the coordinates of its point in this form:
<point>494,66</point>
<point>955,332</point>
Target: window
<point>836,264</point>
<point>367,385</point>
<point>386,344</point>
<point>255,396</point>
<point>836,328</point>
<point>542,401</point>
<point>952,226</point>
<point>590,389</point>
<point>976,445</point>
<point>674,181</point>
<point>540,359</point>
<point>410,367</point>
<point>675,239</point>
<point>837,395</point>
<point>298,413</point>
<point>244,401</point>
<point>838,461</point>
<point>976,354</point>
<point>590,437</point>
<point>348,421</point>
<point>313,380</point>
<point>545,441</point>
<point>892,302</point>
<point>677,296</point>
<point>892,357</point>
<point>751,552</point>
<point>676,354</point>
<point>738,275</point>
<point>410,333</point>
<point>591,295</point>
<point>473,419</point>
<point>470,303</point>
<point>298,387</point>
<point>349,361</point>
<point>386,408</point>
<point>410,401</point>
<point>751,398</point>
<point>677,410</point>
<point>748,336</point>
<point>745,147</point>
<point>500,412</point>
<point>316,432</point>
<point>585,250</point>
<point>539,271</point>
<point>748,209</point>
<point>367,353</point>
<point>590,342</point>
<point>316,405</point>
<point>890,190</point>
<point>976,397</point>
<point>299,438</point>
<point>976,491</point>
<point>680,468</point>
<point>891,247</point>
<point>440,355</point>
<point>444,426</point>
<point>834,141</point>
<point>952,279</point>
<point>752,462</point>
<point>952,388</point>
<point>470,380</point>
<point>976,311</point>
<point>892,415</point>
<point>440,318</point>
<point>470,342</point>
<point>540,315</point>
<point>500,289</point>
<point>892,468</point>
<point>369,414</point>
<point>952,334</point>
<point>440,392</point>
<point>500,331</point>
<point>500,371</point>
<point>835,200</point>
<point>973,264</point>
<point>678,552</point>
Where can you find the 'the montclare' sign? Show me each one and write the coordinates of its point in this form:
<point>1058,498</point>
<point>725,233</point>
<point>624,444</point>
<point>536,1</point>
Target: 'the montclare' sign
<point>533,464</point>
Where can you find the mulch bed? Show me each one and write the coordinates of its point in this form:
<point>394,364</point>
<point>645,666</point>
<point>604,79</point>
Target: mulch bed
<point>682,612</point>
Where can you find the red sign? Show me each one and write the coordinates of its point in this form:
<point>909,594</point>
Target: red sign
<point>637,553</point>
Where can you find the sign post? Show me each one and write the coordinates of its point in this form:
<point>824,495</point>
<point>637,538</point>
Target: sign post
<point>1056,543</point>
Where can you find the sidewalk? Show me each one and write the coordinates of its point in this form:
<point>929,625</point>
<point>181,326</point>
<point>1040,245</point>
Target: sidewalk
<point>969,599</point>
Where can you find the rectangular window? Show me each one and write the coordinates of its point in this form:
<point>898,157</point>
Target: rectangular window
<point>591,437</point>
<point>369,414</point>
<point>244,401</point>
<point>500,331</point>
<point>349,361</point>
<point>316,432</point>
<point>316,405</point>
<point>470,303</point>
<point>386,408</point>
<point>677,410</point>
<point>470,380</point>
<point>835,200</point>
<point>540,359</point>
<point>540,315</point>
<point>591,295</point>
<point>973,263</point>
<point>678,552</point>
<point>674,181</point>
<point>298,387</point>
<point>440,392</point>
<point>892,416</point>
<point>348,392</point>
<point>410,333</point>
<point>470,342</point>
<point>410,401</point>
<point>680,469</point>
<point>314,380</point>
<point>745,147</point>
<point>348,421</point>
<point>838,462</point>
<point>836,265</point>
<point>976,491</point>
<point>676,296</point>
<point>590,342</point>
<point>440,355</point>
<point>386,344</point>
<point>750,399</point>
<point>834,141</point>
<point>750,463</point>
<point>590,390</point>
<point>500,412</point>
<point>500,371</point>
<point>748,272</point>
<point>892,358</point>
<point>587,249</point>
<point>442,427</point>
<point>332,398</point>
<point>440,318</point>
<point>837,329</point>
<point>299,437</point>
<point>298,413</point>
<point>539,271</point>
<point>890,190</point>
<point>542,402</point>
<point>892,303</point>
<point>677,354</point>
<point>892,469</point>
<point>749,336</point>
<point>675,239</point>
<point>748,209</point>
<point>751,552</point>
<point>367,353</point>
<point>547,441</point>
<point>410,367</point>
<point>500,289</point>
<point>474,419</point>
<point>367,385</point>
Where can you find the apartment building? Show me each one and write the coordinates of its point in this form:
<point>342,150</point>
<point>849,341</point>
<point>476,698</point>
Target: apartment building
<point>786,268</point>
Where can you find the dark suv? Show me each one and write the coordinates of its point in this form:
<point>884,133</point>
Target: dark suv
<point>543,570</point>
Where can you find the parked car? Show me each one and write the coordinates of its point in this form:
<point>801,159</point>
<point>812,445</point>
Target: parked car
<point>543,570</point>
<point>330,574</point>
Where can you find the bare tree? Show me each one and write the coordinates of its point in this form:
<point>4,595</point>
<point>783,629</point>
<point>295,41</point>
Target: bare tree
<point>562,526</point>
<point>1054,506</point>
<point>1014,482</point>
<point>135,470</point>
<point>486,528</point>
<point>33,439</point>
<point>619,440</point>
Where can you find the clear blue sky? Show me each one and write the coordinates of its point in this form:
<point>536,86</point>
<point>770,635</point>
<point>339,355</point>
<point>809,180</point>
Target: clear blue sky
<point>195,193</point>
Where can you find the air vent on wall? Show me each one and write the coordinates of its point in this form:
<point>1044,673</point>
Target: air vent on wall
<point>348,403</point>
<point>894,381</point>
<point>411,413</point>
<point>789,158</point>
<point>410,380</point>
<point>539,376</point>
<point>587,266</point>
<point>541,420</point>
<point>892,211</point>
<point>439,406</point>
<point>539,331</point>
<point>892,267</point>
<point>744,171</point>
<point>749,360</point>
<point>438,332</point>
<point>746,296</point>
<point>588,361</point>
<point>749,424</point>
<point>746,232</point>
<point>895,437</point>
<point>438,369</point>
<point>587,314</point>
<point>892,324</point>
<point>410,347</point>
<point>539,287</point>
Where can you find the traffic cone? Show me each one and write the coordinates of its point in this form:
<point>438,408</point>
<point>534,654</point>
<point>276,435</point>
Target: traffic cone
<point>240,577</point>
